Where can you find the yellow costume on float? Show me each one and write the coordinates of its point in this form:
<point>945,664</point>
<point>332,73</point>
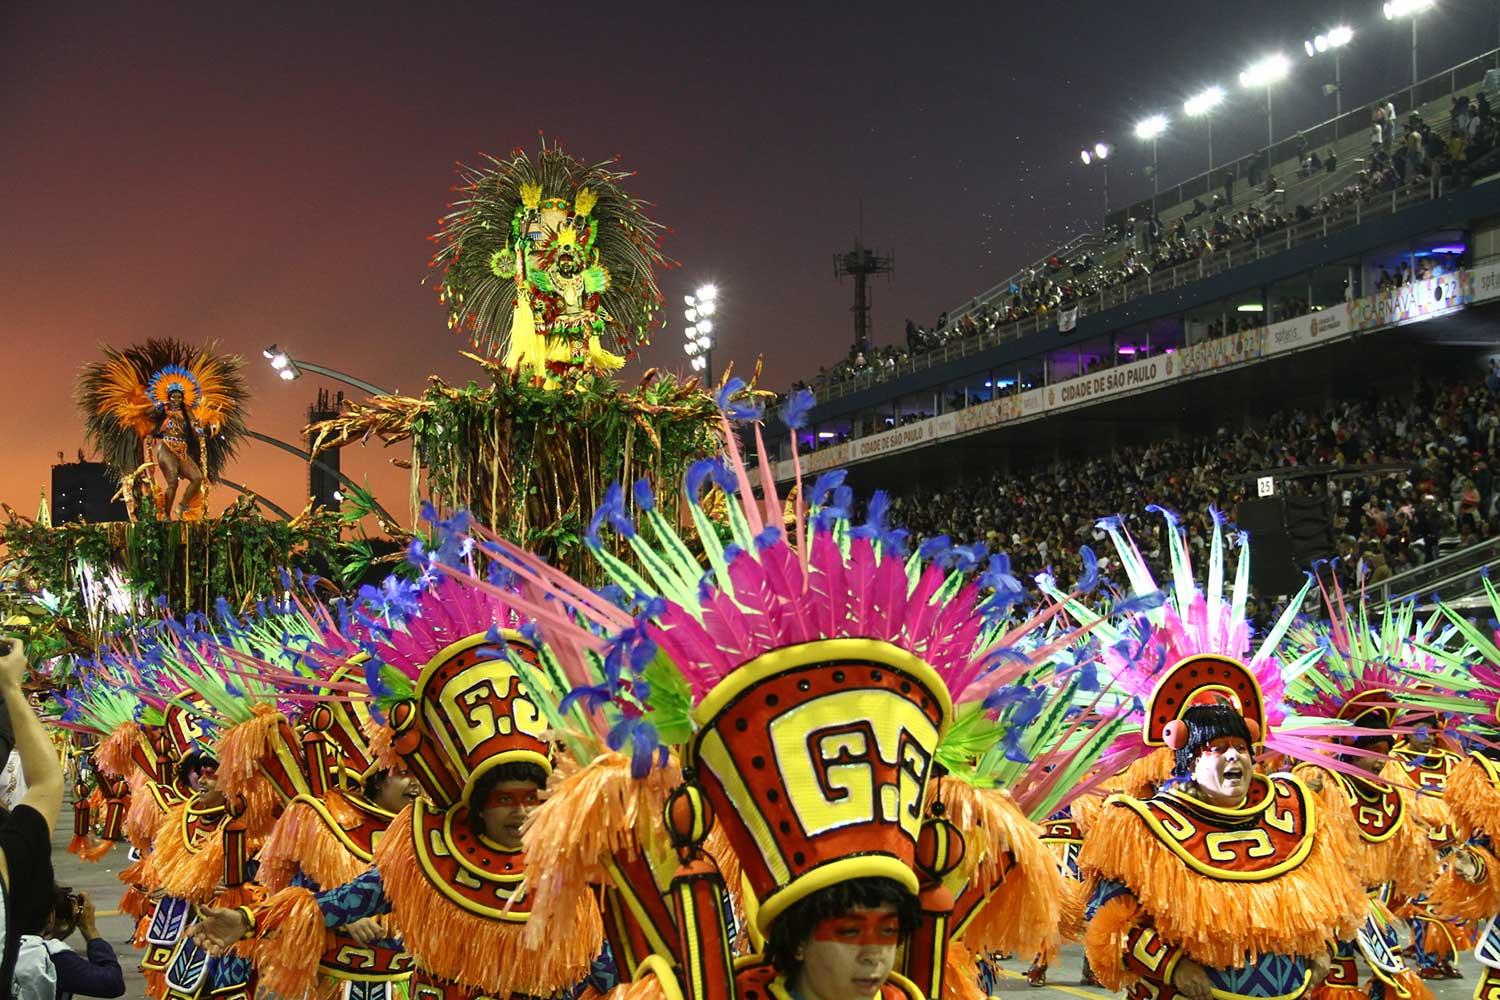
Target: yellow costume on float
<point>546,261</point>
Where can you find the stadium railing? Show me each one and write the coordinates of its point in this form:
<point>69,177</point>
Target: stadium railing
<point>1448,578</point>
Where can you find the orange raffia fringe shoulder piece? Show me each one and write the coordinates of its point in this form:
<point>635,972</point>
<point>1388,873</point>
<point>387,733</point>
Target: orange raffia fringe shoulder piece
<point>1473,799</point>
<point>383,755</point>
<point>113,752</point>
<point>1452,897</point>
<point>1406,859</point>
<point>1085,810</point>
<point>1075,902</point>
<point>143,815</point>
<point>960,974</point>
<point>1023,913</point>
<point>290,938</point>
<point>1300,912</point>
<point>301,840</point>
<point>493,955</point>
<point>241,750</point>
<point>183,873</point>
<point>591,814</point>
<point>1146,775</point>
<point>134,903</point>
<point>1105,939</point>
<point>137,874</point>
<point>645,987</point>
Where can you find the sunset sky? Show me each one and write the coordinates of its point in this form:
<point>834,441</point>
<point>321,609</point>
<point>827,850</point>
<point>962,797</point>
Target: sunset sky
<point>269,172</point>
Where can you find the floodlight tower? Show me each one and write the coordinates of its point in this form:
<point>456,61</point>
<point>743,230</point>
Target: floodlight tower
<point>860,264</point>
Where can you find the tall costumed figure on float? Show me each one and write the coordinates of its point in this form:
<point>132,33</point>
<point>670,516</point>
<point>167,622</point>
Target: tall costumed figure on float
<point>547,265</point>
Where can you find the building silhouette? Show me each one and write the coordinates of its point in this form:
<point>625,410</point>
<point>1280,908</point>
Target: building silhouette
<point>322,476</point>
<point>84,491</point>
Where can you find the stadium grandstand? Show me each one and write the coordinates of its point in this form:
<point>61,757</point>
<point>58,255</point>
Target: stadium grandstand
<point>1304,338</point>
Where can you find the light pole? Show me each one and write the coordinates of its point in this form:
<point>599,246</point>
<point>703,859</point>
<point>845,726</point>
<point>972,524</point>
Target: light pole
<point>312,459</point>
<point>1409,9</point>
<point>1201,105</point>
<point>1148,130</point>
<point>1100,155</point>
<point>290,369</point>
<point>1331,41</point>
<point>1264,73</point>
<point>699,332</point>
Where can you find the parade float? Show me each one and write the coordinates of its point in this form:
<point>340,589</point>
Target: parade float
<point>547,266</point>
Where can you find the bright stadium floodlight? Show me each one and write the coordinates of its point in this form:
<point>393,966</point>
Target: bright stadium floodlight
<point>1099,154</point>
<point>1266,72</point>
<point>1147,130</point>
<point>1201,105</point>
<point>1150,128</point>
<point>1203,102</point>
<point>1409,9</point>
<point>699,343</point>
<point>1331,41</point>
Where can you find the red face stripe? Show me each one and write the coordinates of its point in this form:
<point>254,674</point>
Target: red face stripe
<point>863,929</point>
<point>502,799</point>
<point>1224,744</point>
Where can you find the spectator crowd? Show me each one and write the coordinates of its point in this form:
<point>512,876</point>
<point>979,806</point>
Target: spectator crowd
<point>1442,435</point>
<point>1407,155</point>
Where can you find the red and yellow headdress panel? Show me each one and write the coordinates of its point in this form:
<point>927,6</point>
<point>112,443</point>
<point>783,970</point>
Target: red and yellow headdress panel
<point>455,701</point>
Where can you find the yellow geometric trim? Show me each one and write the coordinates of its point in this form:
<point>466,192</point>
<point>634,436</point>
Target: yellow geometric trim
<point>710,748</point>
<point>659,967</point>
<point>632,902</point>
<point>692,958</point>
<point>1491,768</point>
<point>1356,799</point>
<point>317,806</point>
<point>831,650</point>
<point>451,650</point>
<point>842,870</point>
<point>345,976</point>
<point>189,812</point>
<point>779,991</point>
<point>1236,813</point>
<point>441,657</point>
<point>478,871</point>
<point>419,840</point>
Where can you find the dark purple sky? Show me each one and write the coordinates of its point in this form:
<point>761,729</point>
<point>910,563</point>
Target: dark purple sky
<point>272,173</point>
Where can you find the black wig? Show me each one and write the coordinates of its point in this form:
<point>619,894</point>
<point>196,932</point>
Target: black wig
<point>1206,723</point>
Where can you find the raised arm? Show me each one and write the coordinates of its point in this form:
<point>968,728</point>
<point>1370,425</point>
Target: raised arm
<point>39,763</point>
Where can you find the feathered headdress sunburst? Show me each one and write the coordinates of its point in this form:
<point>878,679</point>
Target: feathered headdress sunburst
<point>488,218</point>
<point>121,398</point>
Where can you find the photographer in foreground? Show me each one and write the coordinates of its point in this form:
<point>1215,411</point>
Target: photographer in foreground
<point>48,969</point>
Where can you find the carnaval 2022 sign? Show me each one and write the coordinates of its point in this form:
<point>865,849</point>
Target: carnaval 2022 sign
<point>1413,302</point>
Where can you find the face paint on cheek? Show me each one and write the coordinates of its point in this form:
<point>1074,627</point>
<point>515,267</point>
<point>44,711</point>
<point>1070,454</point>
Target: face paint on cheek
<point>863,929</point>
